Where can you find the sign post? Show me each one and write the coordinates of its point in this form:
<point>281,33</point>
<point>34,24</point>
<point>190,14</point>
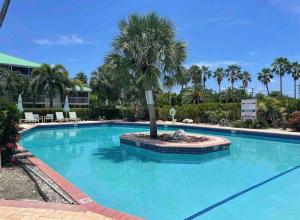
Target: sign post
<point>249,109</point>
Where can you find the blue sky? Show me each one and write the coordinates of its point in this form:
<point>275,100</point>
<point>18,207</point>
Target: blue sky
<point>78,33</point>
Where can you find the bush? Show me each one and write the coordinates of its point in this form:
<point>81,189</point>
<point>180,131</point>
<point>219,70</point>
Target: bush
<point>204,112</point>
<point>295,121</point>
<point>256,124</point>
<point>9,117</point>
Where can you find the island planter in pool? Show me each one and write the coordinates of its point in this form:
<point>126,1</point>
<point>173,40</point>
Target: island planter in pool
<point>165,143</point>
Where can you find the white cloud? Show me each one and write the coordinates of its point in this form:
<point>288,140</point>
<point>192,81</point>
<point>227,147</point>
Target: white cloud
<point>72,39</point>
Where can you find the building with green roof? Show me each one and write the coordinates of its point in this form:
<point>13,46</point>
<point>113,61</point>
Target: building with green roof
<point>17,64</point>
<point>78,97</point>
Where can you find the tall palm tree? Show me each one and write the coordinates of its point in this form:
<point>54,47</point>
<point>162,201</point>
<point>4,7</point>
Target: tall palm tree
<point>233,73</point>
<point>182,77</point>
<point>245,77</point>
<point>169,82</point>
<point>265,76</point>
<point>280,67</point>
<point>146,49</point>
<point>195,73</point>
<point>206,74</point>
<point>295,71</point>
<point>4,11</point>
<point>51,80</point>
<point>81,77</point>
<point>219,75</point>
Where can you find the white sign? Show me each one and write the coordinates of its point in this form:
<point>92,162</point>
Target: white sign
<point>249,107</point>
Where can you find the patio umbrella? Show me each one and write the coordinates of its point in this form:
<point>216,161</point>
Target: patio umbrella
<point>66,106</point>
<point>20,105</point>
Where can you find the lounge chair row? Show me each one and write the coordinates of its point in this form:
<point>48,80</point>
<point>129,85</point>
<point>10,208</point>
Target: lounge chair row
<point>35,118</point>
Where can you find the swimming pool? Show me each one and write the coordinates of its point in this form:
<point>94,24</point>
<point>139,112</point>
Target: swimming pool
<point>155,186</point>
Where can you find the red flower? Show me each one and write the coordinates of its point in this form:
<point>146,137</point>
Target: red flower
<point>10,145</point>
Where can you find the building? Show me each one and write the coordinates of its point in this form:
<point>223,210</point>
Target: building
<point>78,97</point>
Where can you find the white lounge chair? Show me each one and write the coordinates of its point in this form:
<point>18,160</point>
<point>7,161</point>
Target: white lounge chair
<point>29,118</point>
<point>49,117</point>
<point>73,116</point>
<point>60,117</point>
<point>187,120</point>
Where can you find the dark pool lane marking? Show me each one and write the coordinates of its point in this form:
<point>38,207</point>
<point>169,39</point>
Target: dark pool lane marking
<point>240,193</point>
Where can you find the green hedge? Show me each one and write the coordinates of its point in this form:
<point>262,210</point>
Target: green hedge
<point>205,112</point>
<point>84,113</point>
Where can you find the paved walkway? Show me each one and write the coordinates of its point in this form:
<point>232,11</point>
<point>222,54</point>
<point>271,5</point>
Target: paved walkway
<point>14,213</point>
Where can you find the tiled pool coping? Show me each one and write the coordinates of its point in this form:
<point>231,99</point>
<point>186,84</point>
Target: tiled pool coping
<point>212,144</point>
<point>84,201</point>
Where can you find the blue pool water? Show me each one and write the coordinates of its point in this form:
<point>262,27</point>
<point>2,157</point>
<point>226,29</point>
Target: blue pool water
<point>163,187</point>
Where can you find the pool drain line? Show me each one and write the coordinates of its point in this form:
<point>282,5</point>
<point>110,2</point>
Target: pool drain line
<point>46,181</point>
<point>240,193</point>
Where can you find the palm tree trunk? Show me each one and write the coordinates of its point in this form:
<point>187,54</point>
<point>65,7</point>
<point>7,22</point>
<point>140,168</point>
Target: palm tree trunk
<point>268,89</point>
<point>204,84</point>
<point>281,84</point>
<point>219,87</point>
<point>51,97</point>
<point>295,88</point>
<point>231,85</point>
<point>151,110</point>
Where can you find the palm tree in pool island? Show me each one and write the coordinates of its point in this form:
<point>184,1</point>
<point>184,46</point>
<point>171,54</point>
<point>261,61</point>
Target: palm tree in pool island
<point>233,73</point>
<point>280,67</point>
<point>146,49</point>
<point>295,71</point>
<point>265,76</point>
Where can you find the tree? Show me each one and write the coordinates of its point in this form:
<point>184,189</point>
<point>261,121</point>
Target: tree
<point>195,74</point>
<point>219,75</point>
<point>280,67</point>
<point>51,80</point>
<point>169,82</point>
<point>193,95</point>
<point>146,49</point>
<point>4,11</point>
<point>233,74</point>
<point>295,71</point>
<point>81,77</point>
<point>245,77</point>
<point>182,77</point>
<point>265,77</point>
<point>206,74</point>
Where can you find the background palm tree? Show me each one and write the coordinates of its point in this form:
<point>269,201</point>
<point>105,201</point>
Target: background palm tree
<point>146,49</point>
<point>182,77</point>
<point>280,67</point>
<point>233,74</point>
<point>50,80</point>
<point>245,77</point>
<point>265,77</point>
<point>169,82</point>
<point>196,75</point>
<point>192,95</point>
<point>219,75</point>
<point>206,74</point>
<point>4,11</point>
<point>82,77</point>
<point>295,71</point>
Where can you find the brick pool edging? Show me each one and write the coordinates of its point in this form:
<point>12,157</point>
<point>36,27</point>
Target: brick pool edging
<point>83,200</point>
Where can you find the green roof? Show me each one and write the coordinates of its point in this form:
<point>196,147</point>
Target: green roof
<point>15,61</point>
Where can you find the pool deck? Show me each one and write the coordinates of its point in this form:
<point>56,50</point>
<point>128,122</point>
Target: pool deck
<point>87,208</point>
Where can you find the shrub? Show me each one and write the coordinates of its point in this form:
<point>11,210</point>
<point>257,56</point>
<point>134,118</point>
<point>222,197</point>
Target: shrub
<point>9,117</point>
<point>204,112</point>
<point>256,124</point>
<point>295,121</point>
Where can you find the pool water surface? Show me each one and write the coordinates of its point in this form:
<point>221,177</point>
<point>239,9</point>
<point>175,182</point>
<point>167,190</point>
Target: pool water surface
<point>170,187</point>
